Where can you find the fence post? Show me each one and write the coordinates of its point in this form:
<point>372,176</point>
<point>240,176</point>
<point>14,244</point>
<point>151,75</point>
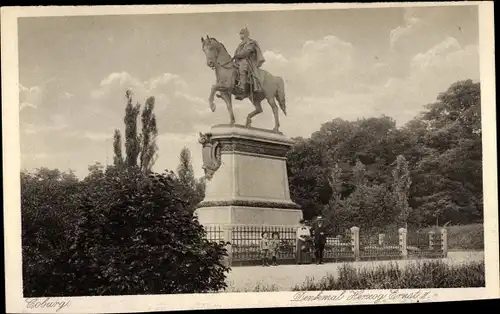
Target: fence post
<point>402,242</point>
<point>228,237</point>
<point>355,242</point>
<point>431,240</point>
<point>381,238</point>
<point>444,242</point>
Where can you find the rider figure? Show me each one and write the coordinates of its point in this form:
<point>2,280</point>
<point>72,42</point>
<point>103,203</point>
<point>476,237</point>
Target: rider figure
<point>248,56</point>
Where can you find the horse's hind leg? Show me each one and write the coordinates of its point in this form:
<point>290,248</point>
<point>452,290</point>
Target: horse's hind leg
<point>228,99</point>
<point>258,109</point>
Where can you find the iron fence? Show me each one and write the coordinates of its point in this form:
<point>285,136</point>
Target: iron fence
<point>424,244</point>
<point>379,246</point>
<point>338,248</point>
<point>244,244</point>
<point>214,233</point>
<point>246,239</point>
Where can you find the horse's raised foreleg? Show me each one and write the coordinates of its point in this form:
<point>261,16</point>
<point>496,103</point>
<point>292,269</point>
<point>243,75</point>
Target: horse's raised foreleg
<point>211,103</point>
<point>275,109</point>
<point>228,99</point>
<point>258,109</point>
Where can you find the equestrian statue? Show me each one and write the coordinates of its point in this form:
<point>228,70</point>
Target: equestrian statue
<point>243,77</point>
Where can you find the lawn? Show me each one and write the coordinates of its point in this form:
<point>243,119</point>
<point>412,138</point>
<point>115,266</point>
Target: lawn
<point>420,274</point>
<point>289,277</point>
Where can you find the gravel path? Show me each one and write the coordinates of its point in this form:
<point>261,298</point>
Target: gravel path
<point>284,277</point>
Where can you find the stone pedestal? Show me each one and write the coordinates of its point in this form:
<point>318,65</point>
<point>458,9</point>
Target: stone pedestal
<point>247,178</point>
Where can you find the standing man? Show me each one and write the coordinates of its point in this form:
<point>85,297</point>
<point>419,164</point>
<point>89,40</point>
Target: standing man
<point>248,56</point>
<point>319,240</point>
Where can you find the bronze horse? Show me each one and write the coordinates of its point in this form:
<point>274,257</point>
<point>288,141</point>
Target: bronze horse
<point>220,60</point>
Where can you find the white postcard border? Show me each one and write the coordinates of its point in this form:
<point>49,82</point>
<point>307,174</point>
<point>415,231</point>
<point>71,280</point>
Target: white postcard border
<point>11,167</point>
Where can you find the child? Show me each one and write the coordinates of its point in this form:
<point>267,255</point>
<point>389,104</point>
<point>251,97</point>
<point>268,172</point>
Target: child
<point>264,248</point>
<point>274,247</point>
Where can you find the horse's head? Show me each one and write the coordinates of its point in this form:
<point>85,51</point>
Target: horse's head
<point>210,47</point>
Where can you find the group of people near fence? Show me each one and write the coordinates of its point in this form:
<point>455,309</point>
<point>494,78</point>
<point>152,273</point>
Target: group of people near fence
<point>308,239</point>
<point>311,239</point>
<point>269,248</point>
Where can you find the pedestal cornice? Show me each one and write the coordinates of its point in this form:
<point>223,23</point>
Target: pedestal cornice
<point>238,138</point>
<point>249,203</point>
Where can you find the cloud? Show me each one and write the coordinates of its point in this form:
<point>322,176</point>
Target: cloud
<point>431,73</point>
<point>425,27</point>
<point>66,96</point>
<point>55,123</point>
<point>90,135</point>
<point>175,103</point>
<point>317,67</point>
<point>272,57</point>
<point>448,54</point>
<point>415,23</point>
<point>374,91</point>
<point>29,97</point>
<point>25,104</point>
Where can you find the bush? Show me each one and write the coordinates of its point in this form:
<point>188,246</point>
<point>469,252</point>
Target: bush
<point>429,274</point>
<point>48,209</point>
<point>368,207</point>
<point>133,235</point>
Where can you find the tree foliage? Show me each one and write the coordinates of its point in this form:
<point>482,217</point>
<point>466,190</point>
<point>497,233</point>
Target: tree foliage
<point>441,173</point>
<point>113,233</point>
<point>185,169</point>
<point>401,188</point>
<point>132,142</point>
<point>148,137</point>
<point>194,189</point>
<point>117,148</point>
<point>140,148</point>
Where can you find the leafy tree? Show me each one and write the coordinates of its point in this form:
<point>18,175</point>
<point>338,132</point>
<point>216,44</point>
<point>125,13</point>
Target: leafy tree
<point>442,148</point>
<point>370,207</point>
<point>359,173</point>
<point>335,182</point>
<point>401,187</point>
<point>334,210</point>
<point>448,178</point>
<point>141,149</point>
<point>117,147</point>
<point>193,190</point>
<point>135,233</point>
<point>132,144</point>
<point>185,169</point>
<point>148,137</point>
<point>95,171</point>
<point>307,178</point>
<point>127,234</point>
<point>49,201</point>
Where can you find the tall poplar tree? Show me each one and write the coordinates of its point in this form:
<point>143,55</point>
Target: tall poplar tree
<point>132,144</point>
<point>140,148</point>
<point>185,169</point>
<point>117,148</point>
<point>148,137</point>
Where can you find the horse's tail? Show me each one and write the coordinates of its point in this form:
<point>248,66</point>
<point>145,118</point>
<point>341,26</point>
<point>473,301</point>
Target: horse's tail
<point>280,94</point>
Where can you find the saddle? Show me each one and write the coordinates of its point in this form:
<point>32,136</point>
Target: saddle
<point>249,86</point>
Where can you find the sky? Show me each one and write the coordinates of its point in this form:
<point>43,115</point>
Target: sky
<point>349,64</point>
